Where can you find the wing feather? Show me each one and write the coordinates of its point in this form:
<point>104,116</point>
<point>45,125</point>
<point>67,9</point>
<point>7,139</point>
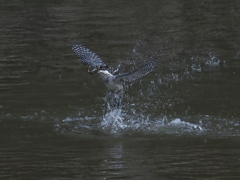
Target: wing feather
<point>87,57</point>
<point>136,74</point>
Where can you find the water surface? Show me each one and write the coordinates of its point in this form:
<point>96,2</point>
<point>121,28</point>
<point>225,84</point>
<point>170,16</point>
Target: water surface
<point>179,122</point>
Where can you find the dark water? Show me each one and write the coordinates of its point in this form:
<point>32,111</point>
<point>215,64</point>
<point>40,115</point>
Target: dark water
<point>182,121</point>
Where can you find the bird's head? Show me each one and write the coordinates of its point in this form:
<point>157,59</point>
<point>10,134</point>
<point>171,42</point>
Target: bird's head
<point>97,69</point>
<point>104,73</point>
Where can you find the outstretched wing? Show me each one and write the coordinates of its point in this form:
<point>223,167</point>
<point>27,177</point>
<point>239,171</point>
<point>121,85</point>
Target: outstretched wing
<point>88,57</point>
<point>133,75</point>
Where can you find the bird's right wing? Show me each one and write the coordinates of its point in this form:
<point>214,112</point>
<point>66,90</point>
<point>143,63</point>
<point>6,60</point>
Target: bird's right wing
<point>133,75</point>
<point>88,57</point>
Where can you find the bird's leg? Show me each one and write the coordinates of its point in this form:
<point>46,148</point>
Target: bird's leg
<point>117,69</point>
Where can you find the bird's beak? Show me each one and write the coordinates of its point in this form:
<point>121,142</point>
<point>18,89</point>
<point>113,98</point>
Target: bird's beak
<point>89,67</point>
<point>92,71</point>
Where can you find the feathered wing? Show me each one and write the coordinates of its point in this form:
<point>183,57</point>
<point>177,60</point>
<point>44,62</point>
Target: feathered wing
<point>133,75</point>
<point>88,57</point>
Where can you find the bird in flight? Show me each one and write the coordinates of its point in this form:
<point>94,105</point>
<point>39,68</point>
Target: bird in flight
<point>115,83</point>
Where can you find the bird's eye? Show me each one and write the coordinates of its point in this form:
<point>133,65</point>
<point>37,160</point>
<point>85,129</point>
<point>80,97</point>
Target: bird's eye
<point>102,67</point>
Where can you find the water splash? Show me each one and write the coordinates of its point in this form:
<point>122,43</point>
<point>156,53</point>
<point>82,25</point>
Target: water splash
<point>182,124</point>
<point>113,121</point>
<point>200,63</point>
<point>120,122</point>
<point>212,60</point>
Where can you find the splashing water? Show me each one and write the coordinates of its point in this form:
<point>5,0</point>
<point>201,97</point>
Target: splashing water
<point>113,121</point>
<point>182,124</point>
<point>120,122</point>
<point>212,60</point>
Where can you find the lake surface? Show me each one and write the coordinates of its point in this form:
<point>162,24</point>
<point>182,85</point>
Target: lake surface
<point>181,121</point>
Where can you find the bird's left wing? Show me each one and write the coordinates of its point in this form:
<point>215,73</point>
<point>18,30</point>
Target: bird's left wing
<point>88,57</point>
<point>133,75</point>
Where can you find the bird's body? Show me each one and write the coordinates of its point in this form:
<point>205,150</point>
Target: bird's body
<point>110,81</point>
<point>115,83</point>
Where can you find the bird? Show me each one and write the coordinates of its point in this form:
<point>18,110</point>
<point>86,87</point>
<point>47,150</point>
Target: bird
<point>114,83</point>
